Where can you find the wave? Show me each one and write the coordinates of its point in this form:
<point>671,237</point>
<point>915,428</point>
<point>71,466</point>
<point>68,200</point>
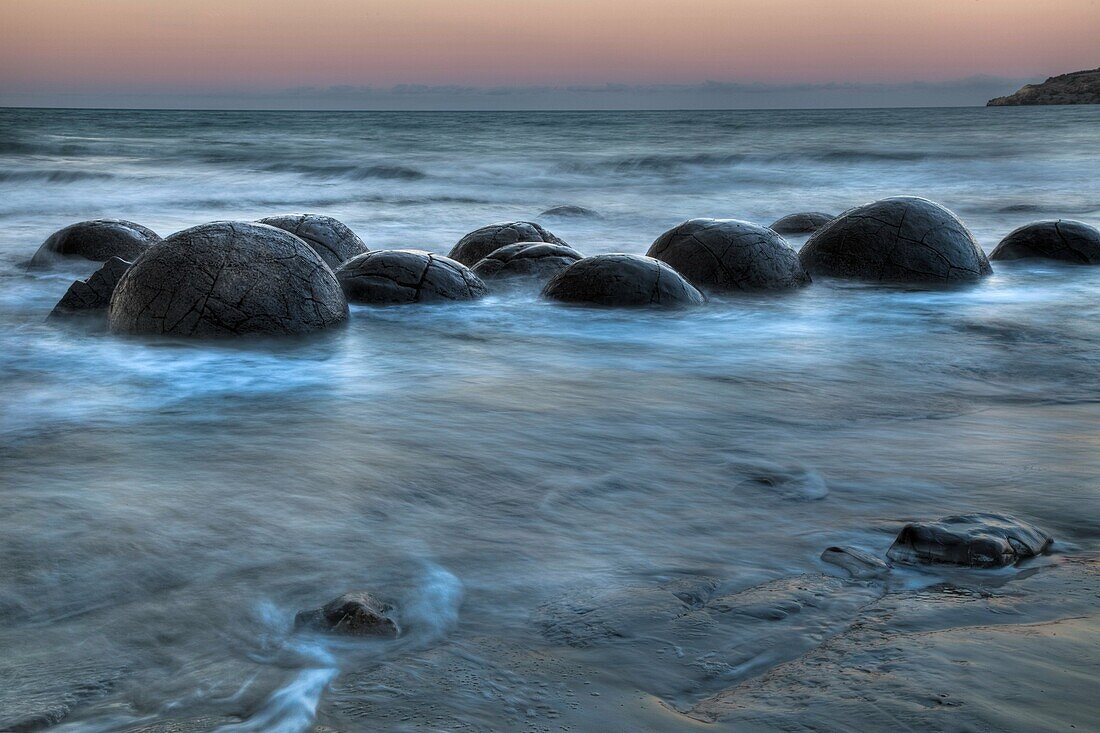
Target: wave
<point>350,172</point>
<point>53,176</point>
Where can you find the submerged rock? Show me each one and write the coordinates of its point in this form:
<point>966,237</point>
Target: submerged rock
<point>395,276</point>
<point>803,222</point>
<point>729,254</point>
<point>479,243</point>
<point>622,280</point>
<point>358,613</point>
<point>538,260</point>
<point>857,563</point>
<point>93,294</point>
<point>974,540</point>
<point>330,238</point>
<point>1062,239</point>
<point>904,239</point>
<point>569,212</point>
<point>227,279</point>
<point>98,240</point>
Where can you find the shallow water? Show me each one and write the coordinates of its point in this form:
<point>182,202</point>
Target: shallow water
<point>538,488</point>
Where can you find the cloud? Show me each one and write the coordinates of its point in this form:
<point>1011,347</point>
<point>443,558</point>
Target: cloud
<point>711,94</point>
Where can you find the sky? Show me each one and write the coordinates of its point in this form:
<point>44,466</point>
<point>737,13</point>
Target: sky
<point>423,54</point>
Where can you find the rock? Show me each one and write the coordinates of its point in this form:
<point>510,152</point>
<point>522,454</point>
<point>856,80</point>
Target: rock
<point>802,223</point>
<point>1078,87</point>
<point>357,613</point>
<point>903,239</point>
<point>479,243</point>
<point>98,240</point>
<point>94,294</point>
<point>527,259</point>
<point>857,563</point>
<point>330,238</point>
<point>569,212</point>
<point>393,276</point>
<point>227,279</point>
<point>974,540</point>
<point>1062,239</point>
<point>622,280</point>
<point>729,255</point>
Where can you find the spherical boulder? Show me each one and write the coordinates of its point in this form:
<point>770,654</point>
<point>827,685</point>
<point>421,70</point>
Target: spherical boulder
<point>395,276</point>
<point>477,245</point>
<point>329,237</point>
<point>904,239</point>
<point>98,240</point>
<point>536,260</point>
<point>804,222</point>
<point>227,279</point>
<point>729,255</point>
<point>1062,239</point>
<point>622,280</point>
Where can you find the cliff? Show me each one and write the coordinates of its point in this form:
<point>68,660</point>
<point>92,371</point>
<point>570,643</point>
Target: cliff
<point>1078,87</point>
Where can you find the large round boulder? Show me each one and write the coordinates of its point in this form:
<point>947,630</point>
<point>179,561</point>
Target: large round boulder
<point>479,243</point>
<point>395,276</point>
<point>803,222</point>
<point>535,260</point>
<point>98,240</point>
<point>729,254</point>
<point>622,280</point>
<point>329,237</point>
<point>904,239</point>
<point>227,279</point>
<point>1062,239</point>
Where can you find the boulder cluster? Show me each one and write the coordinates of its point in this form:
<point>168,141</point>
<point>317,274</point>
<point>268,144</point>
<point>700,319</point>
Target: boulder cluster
<point>296,273</point>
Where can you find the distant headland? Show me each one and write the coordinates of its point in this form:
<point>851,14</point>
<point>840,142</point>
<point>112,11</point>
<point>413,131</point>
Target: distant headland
<point>1078,87</point>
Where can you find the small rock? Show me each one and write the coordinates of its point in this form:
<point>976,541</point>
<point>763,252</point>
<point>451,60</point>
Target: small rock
<point>358,613</point>
<point>569,212</point>
<point>333,240</point>
<point>479,243</point>
<point>538,260</point>
<point>98,240</point>
<point>804,222</point>
<point>857,563</point>
<point>975,540</point>
<point>94,294</point>
<point>1063,239</point>
<point>396,276</point>
<point>622,280</point>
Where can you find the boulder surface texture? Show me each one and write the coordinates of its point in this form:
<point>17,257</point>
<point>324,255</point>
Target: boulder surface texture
<point>98,240</point>
<point>622,280</point>
<point>527,259</point>
<point>329,237</point>
<point>395,276</point>
<point>479,243</point>
<point>801,223</point>
<point>904,239</point>
<point>93,294</point>
<point>227,279</point>
<point>1062,239</point>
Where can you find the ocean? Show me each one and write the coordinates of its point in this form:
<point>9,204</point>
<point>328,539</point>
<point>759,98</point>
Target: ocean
<point>589,520</point>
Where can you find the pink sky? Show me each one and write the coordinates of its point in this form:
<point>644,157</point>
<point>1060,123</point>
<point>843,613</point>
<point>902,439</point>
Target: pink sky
<point>261,44</point>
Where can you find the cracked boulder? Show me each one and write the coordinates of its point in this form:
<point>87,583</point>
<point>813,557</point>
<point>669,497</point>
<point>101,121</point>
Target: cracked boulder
<point>730,255</point>
<point>622,280</point>
<point>94,294</point>
<point>1063,239</point>
<point>479,243</point>
<point>973,540</point>
<point>804,222</point>
<point>358,613</point>
<point>330,238</point>
<point>536,260</point>
<point>227,279</point>
<point>395,276</point>
<point>904,239</point>
<point>98,240</point>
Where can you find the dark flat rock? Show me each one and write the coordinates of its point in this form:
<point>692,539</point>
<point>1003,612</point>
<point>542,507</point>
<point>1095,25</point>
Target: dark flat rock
<point>98,240</point>
<point>904,239</point>
<point>479,243</point>
<point>228,279</point>
<point>330,238</point>
<point>94,294</point>
<point>804,222</point>
<point>730,255</point>
<point>974,540</point>
<point>1063,239</point>
<point>622,280</point>
<point>533,260</point>
<point>857,563</point>
<point>396,276</point>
